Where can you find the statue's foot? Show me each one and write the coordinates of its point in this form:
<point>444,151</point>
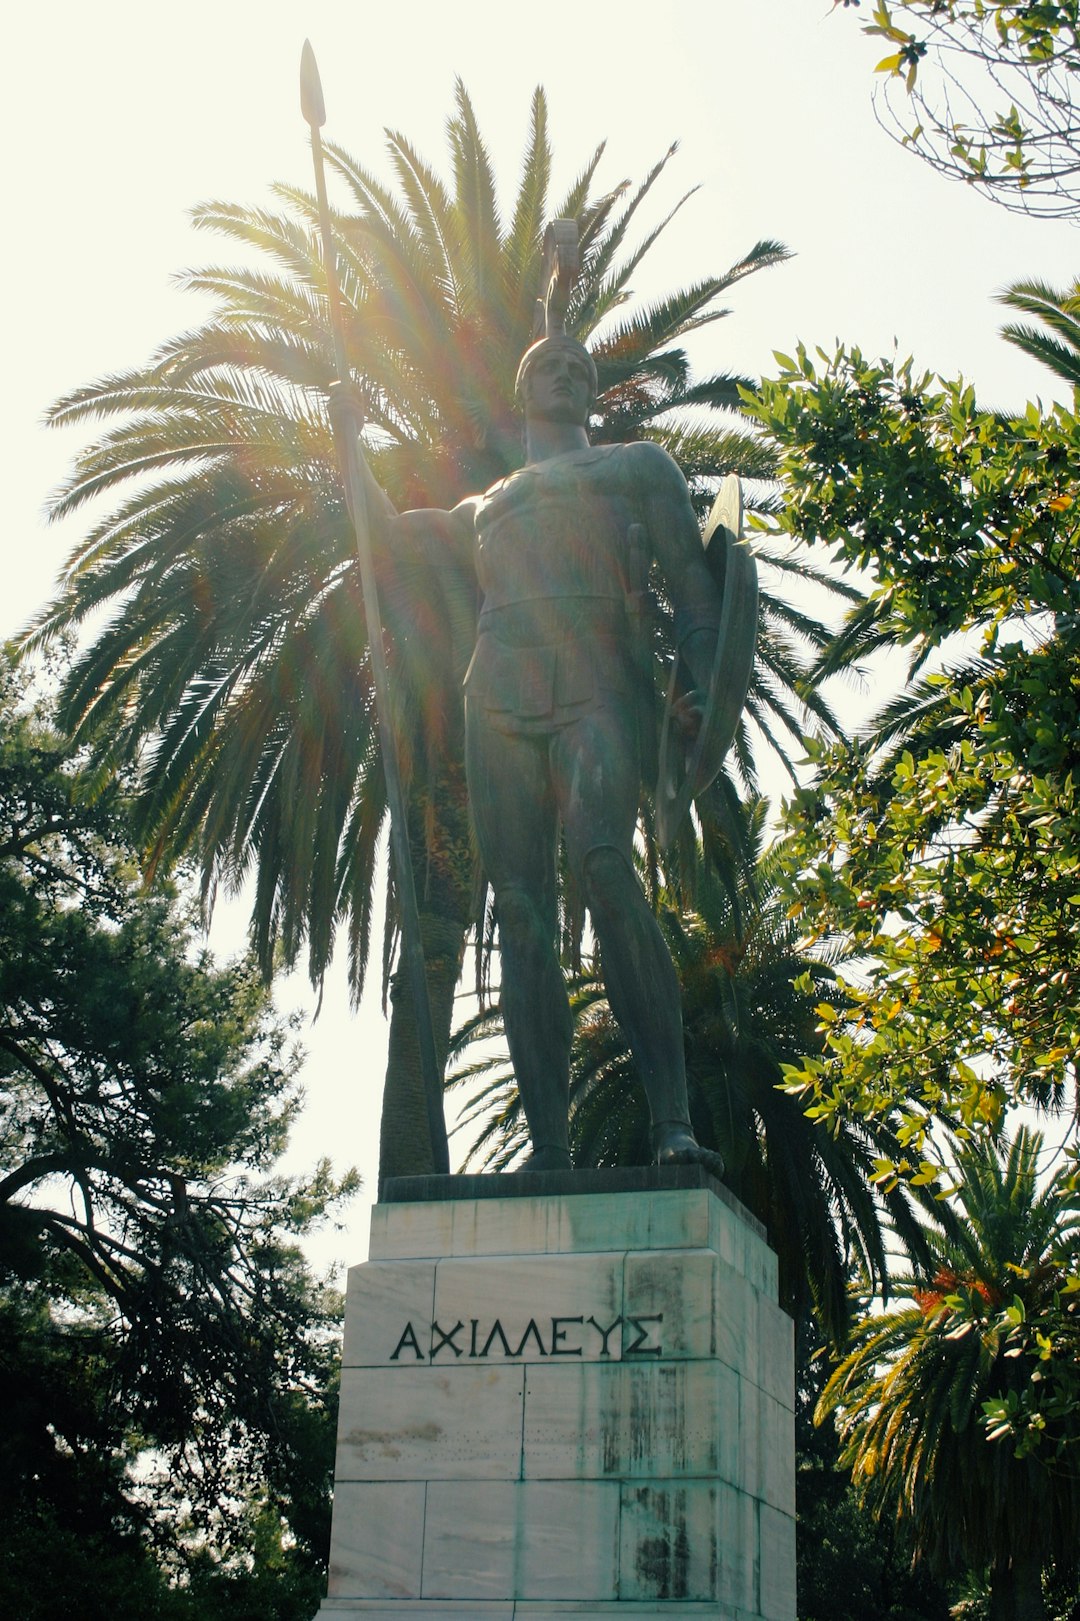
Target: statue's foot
<point>549,1159</point>
<point>677,1145</point>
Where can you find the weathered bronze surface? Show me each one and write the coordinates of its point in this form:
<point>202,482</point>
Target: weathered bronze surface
<point>553,698</point>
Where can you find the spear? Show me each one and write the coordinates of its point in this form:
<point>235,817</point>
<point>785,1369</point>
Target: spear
<point>346,415</point>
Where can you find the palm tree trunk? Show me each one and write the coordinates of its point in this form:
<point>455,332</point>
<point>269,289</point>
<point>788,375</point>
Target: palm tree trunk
<point>440,839</point>
<point>404,1140</point>
<point>1016,1590</point>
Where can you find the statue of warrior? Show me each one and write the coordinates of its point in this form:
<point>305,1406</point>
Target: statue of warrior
<point>552,697</point>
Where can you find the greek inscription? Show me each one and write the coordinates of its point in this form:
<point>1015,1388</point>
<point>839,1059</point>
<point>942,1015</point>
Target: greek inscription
<point>558,1334</point>
<point>497,1328</point>
<point>641,1337</point>
<point>446,1337</point>
<point>639,1347</point>
<point>605,1333</point>
<point>408,1341</point>
<point>535,1332</point>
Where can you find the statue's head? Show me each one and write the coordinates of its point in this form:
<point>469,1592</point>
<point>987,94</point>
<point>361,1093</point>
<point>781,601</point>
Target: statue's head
<point>557,380</point>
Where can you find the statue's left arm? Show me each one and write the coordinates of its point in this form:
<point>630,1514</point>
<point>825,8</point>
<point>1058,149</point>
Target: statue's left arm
<point>676,542</point>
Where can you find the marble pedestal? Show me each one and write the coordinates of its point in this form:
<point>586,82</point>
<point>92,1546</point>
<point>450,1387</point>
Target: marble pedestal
<point>558,1402</point>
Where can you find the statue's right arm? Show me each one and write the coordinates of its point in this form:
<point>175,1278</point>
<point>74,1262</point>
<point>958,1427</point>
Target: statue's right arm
<point>435,523</point>
<point>432,532</point>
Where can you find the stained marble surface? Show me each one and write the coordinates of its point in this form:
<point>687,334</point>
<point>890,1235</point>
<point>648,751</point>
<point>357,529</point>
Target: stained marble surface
<point>565,1406</point>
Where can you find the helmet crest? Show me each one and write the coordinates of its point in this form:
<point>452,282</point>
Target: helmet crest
<point>562,262</point>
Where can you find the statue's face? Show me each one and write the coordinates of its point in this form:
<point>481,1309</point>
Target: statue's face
<point>558,386</point>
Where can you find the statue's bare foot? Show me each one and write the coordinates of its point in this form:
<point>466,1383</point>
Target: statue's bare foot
<point>677,1145</point>
<point>549,1159</point>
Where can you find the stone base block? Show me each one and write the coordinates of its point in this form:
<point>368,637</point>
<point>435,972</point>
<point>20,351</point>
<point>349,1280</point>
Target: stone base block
<point>564,1404</point>
<point>522,1610</point>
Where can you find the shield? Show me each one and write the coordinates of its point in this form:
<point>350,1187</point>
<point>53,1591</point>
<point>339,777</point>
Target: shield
<point>688,767</point>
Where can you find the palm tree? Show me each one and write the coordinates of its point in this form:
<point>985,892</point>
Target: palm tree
<point>224,661</point>
<point>929,1397</point>
<point>751,1002</point>
<point>1057,342</point>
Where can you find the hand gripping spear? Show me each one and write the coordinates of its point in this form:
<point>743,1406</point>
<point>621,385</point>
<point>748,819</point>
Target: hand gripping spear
<point>347,418</point>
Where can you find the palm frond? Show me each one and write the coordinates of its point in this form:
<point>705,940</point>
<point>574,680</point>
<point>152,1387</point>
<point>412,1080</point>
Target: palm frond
<point>522,246</point>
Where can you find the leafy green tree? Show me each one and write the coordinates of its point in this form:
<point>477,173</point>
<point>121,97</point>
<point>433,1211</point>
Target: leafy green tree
<point>167,1357</point>
<point>751,1001</point>
<point>229,663</point>
<point>941,845</point>
<point>960,1409</point>
<point>986,91</point>
<point>944,846</point>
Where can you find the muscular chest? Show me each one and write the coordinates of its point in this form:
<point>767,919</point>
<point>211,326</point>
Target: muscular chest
<point>557,529</point>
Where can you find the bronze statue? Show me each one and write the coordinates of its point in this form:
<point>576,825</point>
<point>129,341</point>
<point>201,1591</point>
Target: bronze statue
<point>562,549</point>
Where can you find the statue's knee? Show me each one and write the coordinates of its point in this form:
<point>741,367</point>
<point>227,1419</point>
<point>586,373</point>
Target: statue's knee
<point>608,878</point>
<point>517,915</point>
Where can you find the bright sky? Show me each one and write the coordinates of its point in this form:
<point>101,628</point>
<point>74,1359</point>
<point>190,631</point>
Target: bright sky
<point>119,118</point>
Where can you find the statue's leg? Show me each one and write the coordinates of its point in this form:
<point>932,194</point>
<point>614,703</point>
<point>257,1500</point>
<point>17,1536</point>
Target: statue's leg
<point>514,813</point>
<point>596,776</point>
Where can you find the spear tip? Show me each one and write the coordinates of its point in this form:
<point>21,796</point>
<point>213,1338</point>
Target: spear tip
<point>311,96</point>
